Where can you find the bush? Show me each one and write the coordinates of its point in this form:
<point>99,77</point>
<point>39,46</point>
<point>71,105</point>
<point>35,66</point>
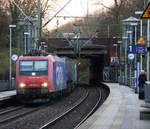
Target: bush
<point>4,63</point>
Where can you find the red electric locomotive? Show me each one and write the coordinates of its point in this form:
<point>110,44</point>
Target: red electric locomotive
<point>44,76</point>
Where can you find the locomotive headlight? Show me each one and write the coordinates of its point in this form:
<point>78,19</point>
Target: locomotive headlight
<point>22,85</point>
<point>45,84</point>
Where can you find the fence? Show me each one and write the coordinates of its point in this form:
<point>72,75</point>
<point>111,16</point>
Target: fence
<point>5,85</point>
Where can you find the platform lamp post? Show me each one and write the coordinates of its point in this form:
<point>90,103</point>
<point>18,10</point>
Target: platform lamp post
<point>135,60</point>
<point>116,60</point>
<point>124,55</point>
<point>130,68</point>
<point>10,53</point>
<point>141,34</point>
<point>25,42</point>
<point>120,56</point>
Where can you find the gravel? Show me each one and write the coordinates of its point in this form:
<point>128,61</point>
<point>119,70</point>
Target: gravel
<point>39,118</point>
<point>58,106</point>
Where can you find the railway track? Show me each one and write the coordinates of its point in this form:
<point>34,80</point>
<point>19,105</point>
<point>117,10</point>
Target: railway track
<point>21,117</point>
<point>92,93</point>
<point>66,113</point>
<point>104,92</point>
<point>10,109</point>
<point>50,123</point>
<point>8,103</point>
<point>16,113</point>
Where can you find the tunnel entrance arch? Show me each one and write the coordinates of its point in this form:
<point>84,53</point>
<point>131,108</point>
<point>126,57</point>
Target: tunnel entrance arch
<point>96,68</point>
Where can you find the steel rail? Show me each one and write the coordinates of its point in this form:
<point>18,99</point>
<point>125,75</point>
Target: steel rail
<point>65,113</point>
<point>10,110</point>
<point>93,109</point>
<point>11,118</point>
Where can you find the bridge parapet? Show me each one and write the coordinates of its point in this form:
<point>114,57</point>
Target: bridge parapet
<point>84,51</point>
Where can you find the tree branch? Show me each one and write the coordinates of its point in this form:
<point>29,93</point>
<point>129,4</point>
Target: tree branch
<point>104,5</point>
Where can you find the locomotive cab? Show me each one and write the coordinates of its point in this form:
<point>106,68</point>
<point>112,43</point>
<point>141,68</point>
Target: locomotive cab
<point>44,76</point>
<point>33,77</point>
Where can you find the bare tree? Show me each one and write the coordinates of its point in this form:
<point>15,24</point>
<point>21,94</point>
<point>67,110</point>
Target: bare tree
<point>122,9</point>
<point>21,8</point>
<point>4,21</point>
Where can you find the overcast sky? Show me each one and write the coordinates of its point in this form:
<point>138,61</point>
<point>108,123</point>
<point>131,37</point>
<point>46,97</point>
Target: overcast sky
<point>74,8</point>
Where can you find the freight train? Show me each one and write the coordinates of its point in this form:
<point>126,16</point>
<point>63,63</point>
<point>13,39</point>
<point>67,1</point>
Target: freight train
<point>39,77</point>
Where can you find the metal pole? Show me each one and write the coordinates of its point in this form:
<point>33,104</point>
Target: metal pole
<point>87,9</point>
<point>10,44</point>
<point>116,56</point>
<point>130,67</point>
<point>141,34</point>
<point>38,26</point>
<point>108,29</point>
<point>126,80</point>
<point>141,29</point>
<point>120,56</point>
<point>78,35</point>
<point>136,71</point>
<point>39,18</point>
<point>130,62</point>
<point>148,44</point>
<point>116,66</point>
<point>25,45</point>
<point>10,57</point>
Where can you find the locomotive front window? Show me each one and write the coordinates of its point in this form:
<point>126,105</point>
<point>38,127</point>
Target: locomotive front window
<point>39,67</point>
<point>26,65</point>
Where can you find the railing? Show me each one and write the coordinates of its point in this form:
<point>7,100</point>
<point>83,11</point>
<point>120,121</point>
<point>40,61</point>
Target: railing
<point>5,85</point>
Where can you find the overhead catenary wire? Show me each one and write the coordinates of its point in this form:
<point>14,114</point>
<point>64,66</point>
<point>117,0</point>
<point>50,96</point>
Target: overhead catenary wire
<point>56,13</point>
<point>27,17</point>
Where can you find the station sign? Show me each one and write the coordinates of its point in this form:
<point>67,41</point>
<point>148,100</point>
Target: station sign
<point>132,49</point>
<point>131,56</point>
<point>140,49</point>
<point>14,57</point>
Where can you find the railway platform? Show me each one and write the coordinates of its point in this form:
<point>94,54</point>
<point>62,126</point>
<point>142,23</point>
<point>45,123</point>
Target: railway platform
<point>121,110</point>
<point>7,94</point>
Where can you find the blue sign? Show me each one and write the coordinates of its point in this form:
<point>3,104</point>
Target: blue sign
<point>141,49</point>
<point>132,49</point>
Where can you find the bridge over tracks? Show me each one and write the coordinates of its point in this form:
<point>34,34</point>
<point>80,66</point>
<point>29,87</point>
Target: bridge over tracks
<point>98,50</point>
